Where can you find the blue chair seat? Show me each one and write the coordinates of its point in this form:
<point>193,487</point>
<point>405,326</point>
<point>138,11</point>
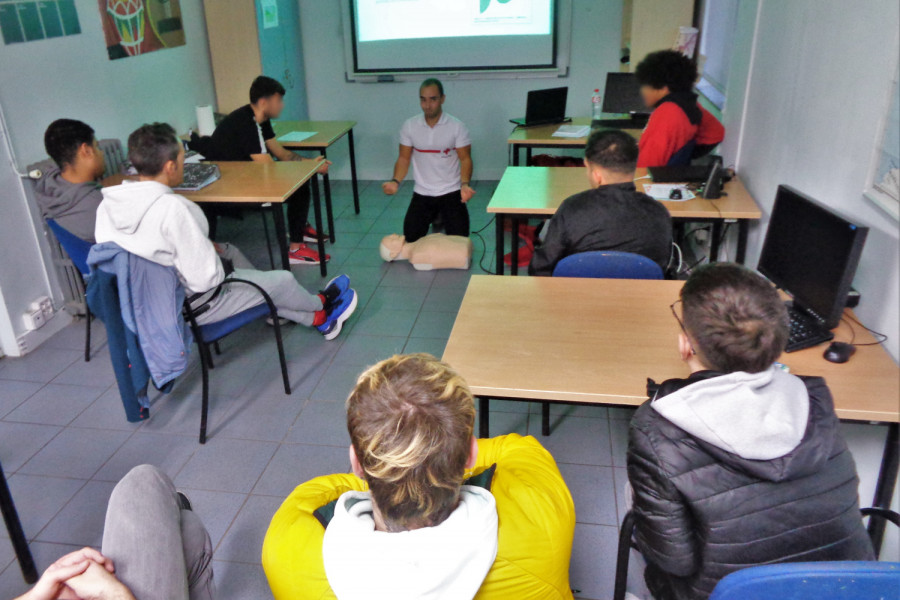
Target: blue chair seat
<point>604,264</point>
<point>813,581</point>
<point>215,331</point>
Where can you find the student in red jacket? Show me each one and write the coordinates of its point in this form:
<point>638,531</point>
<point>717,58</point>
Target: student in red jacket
<point>679,127</point>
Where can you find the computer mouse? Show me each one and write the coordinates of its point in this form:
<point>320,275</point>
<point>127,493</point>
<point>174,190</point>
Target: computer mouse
<point>675,194</point>
<point>839,352</point>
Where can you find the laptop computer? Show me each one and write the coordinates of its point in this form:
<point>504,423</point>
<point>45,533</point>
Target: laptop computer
<point>545,107</point>
<point>622,95</point>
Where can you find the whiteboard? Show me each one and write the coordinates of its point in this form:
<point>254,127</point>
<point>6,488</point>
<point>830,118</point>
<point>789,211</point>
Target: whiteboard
<point>884,181</point>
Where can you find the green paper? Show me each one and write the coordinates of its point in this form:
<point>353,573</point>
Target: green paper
<point>31,21</point>
<point>50,16</point>
<point>69,17</point>
<point>9,24</point>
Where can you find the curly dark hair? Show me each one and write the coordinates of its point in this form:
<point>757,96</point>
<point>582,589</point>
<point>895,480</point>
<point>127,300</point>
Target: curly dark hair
<point>667,68</point>
<point>64,137</point>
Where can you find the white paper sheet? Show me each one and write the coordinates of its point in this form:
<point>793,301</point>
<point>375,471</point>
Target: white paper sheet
<point>661,191</point>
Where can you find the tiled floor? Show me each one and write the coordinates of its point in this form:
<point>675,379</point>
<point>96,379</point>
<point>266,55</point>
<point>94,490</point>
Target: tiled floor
<point>64,441</point>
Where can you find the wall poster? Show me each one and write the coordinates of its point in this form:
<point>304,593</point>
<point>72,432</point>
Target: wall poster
<point>134,27</point>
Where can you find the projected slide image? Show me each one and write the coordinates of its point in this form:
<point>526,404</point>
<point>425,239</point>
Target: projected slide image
<point>384,20</point>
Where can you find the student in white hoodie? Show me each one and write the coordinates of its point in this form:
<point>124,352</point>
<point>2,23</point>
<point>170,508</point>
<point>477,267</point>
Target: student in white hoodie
<point>148,219</point>
<point>418,533</point>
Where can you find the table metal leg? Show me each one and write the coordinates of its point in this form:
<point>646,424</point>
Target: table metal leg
<point>716,241</point>
<point>484,410</point>
<point>516,159</point>
<point>545,418</point>
<point>514,253</point>
<point>743,233</point>
<point>353,179</point>
<point>16,534</point>
<point>500,221</point>
<point>328,210</point>
<point>281,234</point>
<point>528,156</point>
<point>317,209</point>
<point>887,480</point>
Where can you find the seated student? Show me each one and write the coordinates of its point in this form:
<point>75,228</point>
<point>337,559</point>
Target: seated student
<point>154,548</point>
<point>70,193</point>
<point>611,216</point>
<point>147,219</point>
<point>740,463</point>
<point>246,134</point>
<point>667,81</point>
<point>418,532</point>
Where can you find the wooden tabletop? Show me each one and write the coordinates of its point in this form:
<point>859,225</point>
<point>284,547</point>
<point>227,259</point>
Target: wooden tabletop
<point>327,132</point>
<point>597,341</point>
<point>248,182</point>
<point>542,135</point>
<point>539,191</point>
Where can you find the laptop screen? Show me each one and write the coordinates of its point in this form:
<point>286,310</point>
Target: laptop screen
<point>623,94</point>
<point>546,105</point>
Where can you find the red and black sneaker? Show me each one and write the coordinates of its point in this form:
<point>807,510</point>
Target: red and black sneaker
<point>311,235</point>
<point>304,255</point>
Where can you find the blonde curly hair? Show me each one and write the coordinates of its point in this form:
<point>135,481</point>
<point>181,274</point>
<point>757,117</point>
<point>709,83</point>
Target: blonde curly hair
<point>411,419</point>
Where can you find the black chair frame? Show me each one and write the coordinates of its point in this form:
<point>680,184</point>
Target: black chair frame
<point>16,534</point>
<point>206,361</point>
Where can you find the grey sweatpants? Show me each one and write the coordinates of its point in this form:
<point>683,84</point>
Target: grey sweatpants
<point>160,551</point>
<point>292,301</point>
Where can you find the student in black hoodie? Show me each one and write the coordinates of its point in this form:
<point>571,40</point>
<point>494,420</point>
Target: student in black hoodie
<point>611,216</point>
<point>741,463</point>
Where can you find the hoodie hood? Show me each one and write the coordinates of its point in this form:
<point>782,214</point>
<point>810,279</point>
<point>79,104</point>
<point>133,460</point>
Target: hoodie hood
<point>756,416</point>
<point>73,205</point>
<point>127,204</point>
<point>447,561</point>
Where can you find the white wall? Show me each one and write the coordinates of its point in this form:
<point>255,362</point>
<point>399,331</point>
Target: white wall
<point>818,90</point>
<point>484,105</point>
<point>73,77</point>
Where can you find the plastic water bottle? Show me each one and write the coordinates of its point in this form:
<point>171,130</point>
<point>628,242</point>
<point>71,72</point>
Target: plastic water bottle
<point>596,106</point>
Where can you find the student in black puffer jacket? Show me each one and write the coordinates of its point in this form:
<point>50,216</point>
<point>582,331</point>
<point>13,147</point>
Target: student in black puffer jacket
<point>741,463</point>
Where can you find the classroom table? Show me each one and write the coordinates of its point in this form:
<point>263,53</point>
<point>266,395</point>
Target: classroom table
<point>263,184</point>
<point>592,341</point>
<point>327,133</point>
<point>537,192</point>
<point>541,136</point>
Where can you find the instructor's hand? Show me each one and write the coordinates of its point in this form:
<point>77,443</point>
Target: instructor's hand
<point>323,166</point>
<point>467,192</point>
<point>390,187</point>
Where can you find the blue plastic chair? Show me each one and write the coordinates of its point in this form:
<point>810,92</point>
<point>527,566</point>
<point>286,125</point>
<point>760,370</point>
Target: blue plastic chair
<point>604,264</point>
<point>813,581</point>
<point>78,250</point>
<point>209,335</point>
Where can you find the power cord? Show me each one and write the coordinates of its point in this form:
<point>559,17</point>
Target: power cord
<point>850,320</point>
<point>484,246</point>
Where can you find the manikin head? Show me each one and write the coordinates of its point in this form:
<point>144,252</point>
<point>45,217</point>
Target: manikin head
<point>157,154</point>
<point>665,72</point>
<point>431,98</point>
<point>267,97</point>
<point>72,146</point>
<point>411,420</point>
<point>610,156</point>
<point>732,320</point>
<point>392,247</point>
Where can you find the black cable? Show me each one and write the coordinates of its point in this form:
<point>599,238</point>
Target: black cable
<point>484,246</point>
<point>851,320</point>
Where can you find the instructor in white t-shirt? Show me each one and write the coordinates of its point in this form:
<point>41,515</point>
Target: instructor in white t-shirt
<point>438,146</point>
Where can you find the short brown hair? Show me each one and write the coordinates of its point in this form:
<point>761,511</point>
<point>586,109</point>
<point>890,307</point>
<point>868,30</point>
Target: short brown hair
<point>411,419</point>
<point>735,318</point>
<point>151,146</point>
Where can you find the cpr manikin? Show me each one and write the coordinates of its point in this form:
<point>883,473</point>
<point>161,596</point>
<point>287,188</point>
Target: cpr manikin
<point>435,251</point>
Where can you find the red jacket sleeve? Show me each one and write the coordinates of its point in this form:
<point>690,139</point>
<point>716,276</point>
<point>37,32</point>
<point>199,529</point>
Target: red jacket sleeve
<point>711,132</point>
<point>667,131</point>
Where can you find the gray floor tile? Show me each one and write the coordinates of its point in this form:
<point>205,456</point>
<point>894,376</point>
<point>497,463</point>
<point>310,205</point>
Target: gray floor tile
<point>169,452</point>
<point>514,406</point>
<point>96,373</point>
<point>432,346</point>
<point>321,423</point>
<point>40,366</point>
<point>80,522</point>
<point>337,383</point>
<point>593,566</point>
<point>383,321</point>
<point>502,423</point>
<point>39,499</point>
<point>226,465</point>
<point>398,298</point>
<point>240,581</point>
<point>434,324</point>
<point>572,410</point>
<point>618,412</point>
<point>294,464</point>
<point>20,441</point>
<point>55,404</point>
<point>444,299</point>
<point>575,439</point>
<point>72,337</point>
<point>302,375</point>
<point>180,413</point>
<point>14,393</point>
<point>368,350</point>
<point>243,541</point>
<point>75,453</point>
<point>106,412</point>
<point>620,477</point>
<point>451,278</point>
<point>593,490</point>
<point>402,274</point>
<point>618,429</point>
<point>45,554</point>
<point>363,257</point>
<point>216,509</point>
<point>265,418</point>
<point>7,556</point>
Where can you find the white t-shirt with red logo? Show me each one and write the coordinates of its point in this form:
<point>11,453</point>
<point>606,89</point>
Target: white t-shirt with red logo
<point>434,159</point>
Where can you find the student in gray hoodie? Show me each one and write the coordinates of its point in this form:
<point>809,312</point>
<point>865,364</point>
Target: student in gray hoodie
<point>70,192</point>
<point>741,463</point>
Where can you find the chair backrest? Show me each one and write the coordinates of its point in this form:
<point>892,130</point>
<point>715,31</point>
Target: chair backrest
<point>75,247</point>
<point>813,581</point>
<point>683,156</point>
<point>607,264</point>
<point>113,155</point>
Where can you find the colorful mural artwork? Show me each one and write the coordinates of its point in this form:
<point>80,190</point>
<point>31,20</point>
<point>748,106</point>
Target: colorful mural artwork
<point>135,27</point>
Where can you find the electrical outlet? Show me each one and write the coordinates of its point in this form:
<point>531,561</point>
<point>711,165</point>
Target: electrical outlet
<point>46,307</point>
<point>34,319</point>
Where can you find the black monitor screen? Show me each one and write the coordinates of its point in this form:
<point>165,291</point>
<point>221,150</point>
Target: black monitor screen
<point>623,94</point>
<point>811,253</point>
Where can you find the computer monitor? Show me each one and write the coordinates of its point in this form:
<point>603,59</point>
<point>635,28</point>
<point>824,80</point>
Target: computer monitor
<point>546,106</point>
<point>811,253</point>
<point>623,95</point>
